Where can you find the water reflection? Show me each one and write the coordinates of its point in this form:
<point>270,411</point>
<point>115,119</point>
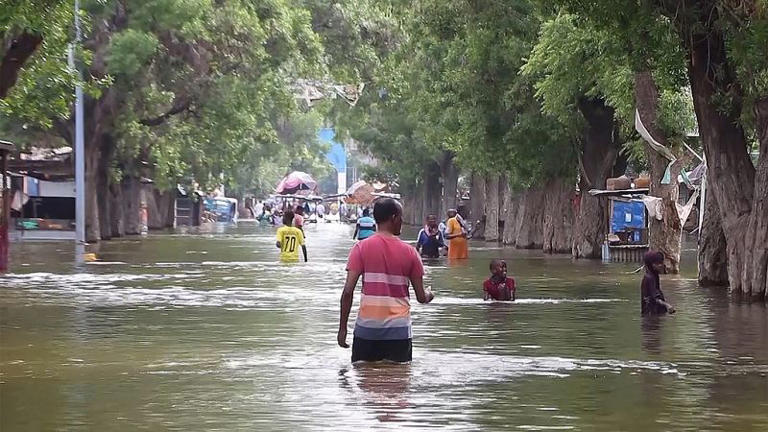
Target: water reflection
<point>382,387</point>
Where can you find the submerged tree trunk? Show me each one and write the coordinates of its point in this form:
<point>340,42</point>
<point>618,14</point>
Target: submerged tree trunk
<point>597,161</point>
<point>92,220</point>
<point>117,221</point>
<point>712,253</point>
<point>505,203</point>
<point>558,216</point>
<point>734,178</point>
<point>665,234</point>
<point>512,222</point>
<point>450,176</point>
<point>530,219</point>
<point>131,205</point>
<point>477,205</point>
<point>103,177</point>
<point>432,191</point>
<point>492,208</point>
<point>755,274</point>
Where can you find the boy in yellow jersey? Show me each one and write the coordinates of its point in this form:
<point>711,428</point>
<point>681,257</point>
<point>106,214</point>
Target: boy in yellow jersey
<point>289,238</point>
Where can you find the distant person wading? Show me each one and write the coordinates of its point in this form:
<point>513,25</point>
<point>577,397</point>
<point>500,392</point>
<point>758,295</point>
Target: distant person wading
<point>365,226</point>
<point>456,232</point>
<point>387,265</point>
<point>289,239</point>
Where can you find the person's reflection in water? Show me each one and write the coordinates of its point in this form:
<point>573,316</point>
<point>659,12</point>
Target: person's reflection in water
<point>651,327</point>
<point>384,387</point>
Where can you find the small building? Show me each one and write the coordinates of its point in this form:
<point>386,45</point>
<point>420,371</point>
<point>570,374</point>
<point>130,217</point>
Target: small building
<point>42,195</point>
<point>626,236</point>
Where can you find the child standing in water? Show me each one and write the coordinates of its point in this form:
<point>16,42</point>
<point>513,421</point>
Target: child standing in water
<point>652,299</point>
<point>499,286</point>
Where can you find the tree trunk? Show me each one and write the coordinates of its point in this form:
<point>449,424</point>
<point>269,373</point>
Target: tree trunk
<point>742,206</point>
<point>600,149</point>
<point>712,254</point>
<point>131,205</point>
<point>505,202</point>
<point>117,221</point>
<point>755,274</point>
<point>665,234</point>
<point>477,205</point>
<point>432,191</point>
<point>512,221</point>
<point>492,208</point>
<point>92,226</point>
<point>103,177</point>
<point>558,216</point>
<point>450,176</point>
<point>530,219</point>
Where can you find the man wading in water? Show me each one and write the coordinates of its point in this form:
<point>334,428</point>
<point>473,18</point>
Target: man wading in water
<point>387,264</point>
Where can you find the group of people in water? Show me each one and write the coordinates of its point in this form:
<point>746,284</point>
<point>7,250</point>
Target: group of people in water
<point>388,266</point>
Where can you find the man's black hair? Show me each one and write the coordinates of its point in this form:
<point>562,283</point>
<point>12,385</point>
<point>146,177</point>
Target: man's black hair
<point>366,212</point>
<point>288,218</point>
<point>385,209</point>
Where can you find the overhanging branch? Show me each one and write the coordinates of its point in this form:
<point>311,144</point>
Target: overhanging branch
<point>18,52</point>
<point>178,107</point>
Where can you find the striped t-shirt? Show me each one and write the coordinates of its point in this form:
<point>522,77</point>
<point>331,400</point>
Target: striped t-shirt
<point>387,265</point>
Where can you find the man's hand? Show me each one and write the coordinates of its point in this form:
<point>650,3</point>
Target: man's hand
<point>341,338</point>
<point>671,309</point>
<point>430,296</point>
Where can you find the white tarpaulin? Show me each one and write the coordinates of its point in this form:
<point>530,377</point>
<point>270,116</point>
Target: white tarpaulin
<point>654,207</point>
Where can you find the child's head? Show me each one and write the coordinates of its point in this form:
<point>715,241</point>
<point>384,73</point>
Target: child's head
<point>431,221</point>
<point>654,261</point>
<point>288,218</point>
<point>498,267</point>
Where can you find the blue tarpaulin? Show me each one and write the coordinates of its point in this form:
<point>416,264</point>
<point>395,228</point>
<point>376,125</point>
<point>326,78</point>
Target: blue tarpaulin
<point>627,215</point>
<point>336,155</point>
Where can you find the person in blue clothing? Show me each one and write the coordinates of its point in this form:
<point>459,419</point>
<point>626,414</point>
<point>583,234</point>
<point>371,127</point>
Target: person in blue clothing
<point>430,239</point>
<point>365,226</point>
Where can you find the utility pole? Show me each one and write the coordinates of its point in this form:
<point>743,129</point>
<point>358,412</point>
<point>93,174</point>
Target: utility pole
<point>79,137</point>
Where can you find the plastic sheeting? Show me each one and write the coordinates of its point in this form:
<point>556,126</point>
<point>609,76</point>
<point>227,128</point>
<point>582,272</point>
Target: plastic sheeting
<point>653,205</point>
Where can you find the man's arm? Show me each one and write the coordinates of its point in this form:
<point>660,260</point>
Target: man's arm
<point>669,307</point>
<point>304,249</point>
<point>347,296</point>
<point>357,228</point>
<point>422,295</point>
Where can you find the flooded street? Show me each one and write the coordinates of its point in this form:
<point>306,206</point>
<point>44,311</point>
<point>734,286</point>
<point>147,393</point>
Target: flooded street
<point>209,332</point>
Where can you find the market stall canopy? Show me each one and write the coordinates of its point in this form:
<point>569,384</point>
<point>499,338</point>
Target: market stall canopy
<point>361,192</point>
<point>298,197</point>
<point>296,181</point>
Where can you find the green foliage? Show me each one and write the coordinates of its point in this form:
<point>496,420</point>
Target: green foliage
<point>129,51</point>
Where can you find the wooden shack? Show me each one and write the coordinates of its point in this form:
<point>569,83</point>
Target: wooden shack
<point>626,234</point>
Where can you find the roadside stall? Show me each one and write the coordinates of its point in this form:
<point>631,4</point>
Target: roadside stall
<point>626,236</point>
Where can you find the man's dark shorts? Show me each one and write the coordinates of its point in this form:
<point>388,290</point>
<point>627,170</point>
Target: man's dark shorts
<point>376,350</point>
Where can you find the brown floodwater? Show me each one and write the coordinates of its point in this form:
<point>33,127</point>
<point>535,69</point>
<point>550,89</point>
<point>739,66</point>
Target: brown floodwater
<point>207,331</point>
